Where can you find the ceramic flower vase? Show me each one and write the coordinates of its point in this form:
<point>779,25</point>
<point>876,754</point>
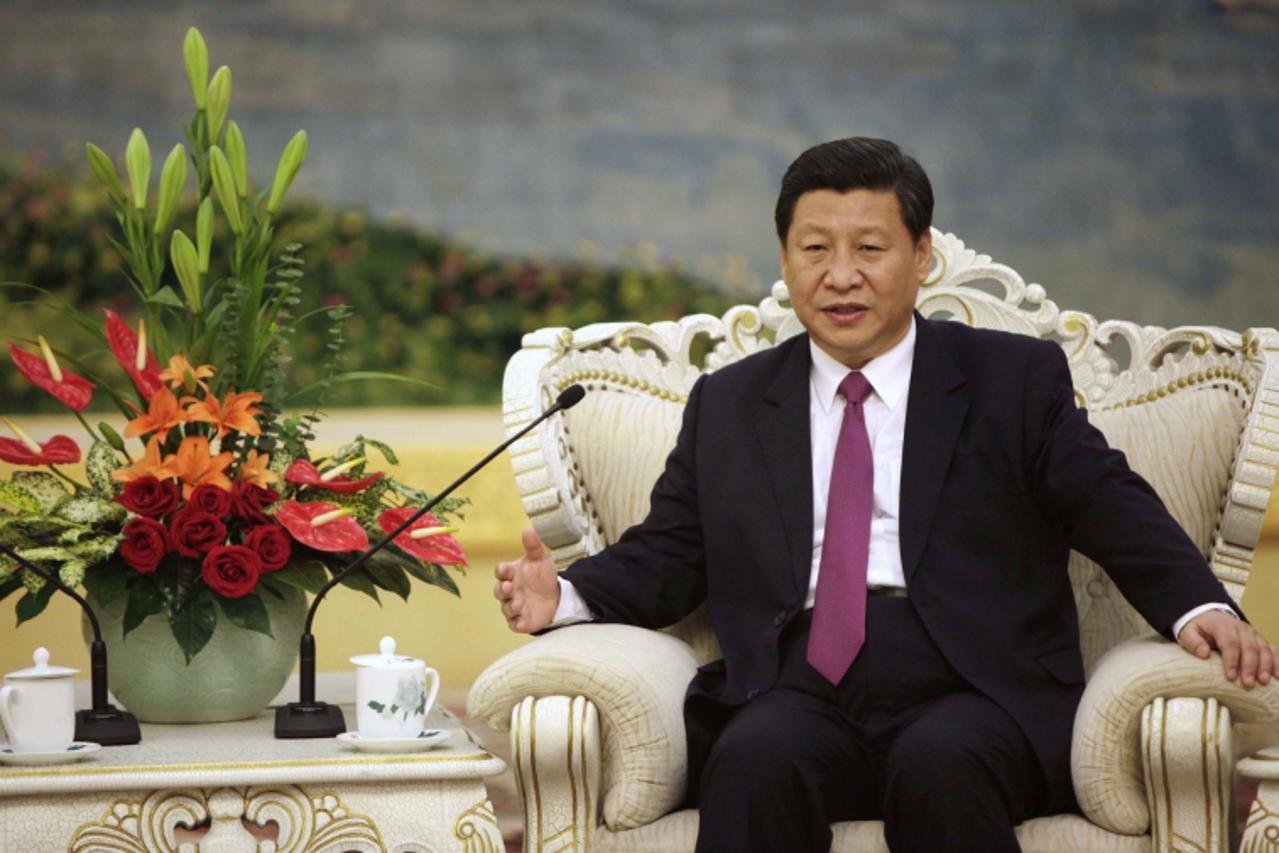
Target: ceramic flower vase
<point>234,677</point>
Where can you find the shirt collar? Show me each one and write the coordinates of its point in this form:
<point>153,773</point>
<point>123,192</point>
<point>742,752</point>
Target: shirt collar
<point>888,372</point>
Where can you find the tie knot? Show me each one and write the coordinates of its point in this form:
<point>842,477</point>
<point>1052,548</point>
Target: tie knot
<point>855,388</point>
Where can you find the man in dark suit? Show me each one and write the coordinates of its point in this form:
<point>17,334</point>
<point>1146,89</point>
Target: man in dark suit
<point>878,514</point>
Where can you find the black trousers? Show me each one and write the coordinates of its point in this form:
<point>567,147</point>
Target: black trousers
<point>902,738</point>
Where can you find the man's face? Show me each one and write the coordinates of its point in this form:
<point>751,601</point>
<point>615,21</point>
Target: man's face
<point>853,270</point>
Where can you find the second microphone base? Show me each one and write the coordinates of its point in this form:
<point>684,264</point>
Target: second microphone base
<point>308,720</point>
<point>109,727</point>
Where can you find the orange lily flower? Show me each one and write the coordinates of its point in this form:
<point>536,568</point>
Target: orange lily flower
<point>237,413</point>
<point>179,369</point>
<point>150,465</point>
<point>194,464</point>
<point>163,414</point>
<point>253,470</point>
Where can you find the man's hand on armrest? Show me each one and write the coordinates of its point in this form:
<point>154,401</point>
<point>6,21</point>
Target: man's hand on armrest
<point>1245,654</point>
<point>528,588</point>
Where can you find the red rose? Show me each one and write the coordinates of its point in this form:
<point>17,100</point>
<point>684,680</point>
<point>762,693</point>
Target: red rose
<point>214,500</point>
<point>194,532</point>
<point>231,570</point>
<point>149,496</point>
<point>248,501</point>
<point>144,545</point>
<point>272,545</point>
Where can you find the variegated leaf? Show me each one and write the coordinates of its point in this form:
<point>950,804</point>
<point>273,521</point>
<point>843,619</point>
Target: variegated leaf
<point>33,582</point>
<point>72,572</point>
<point>46,488</point>
<point>102,460</point>
<point>91,510</point>
<point>18,497</point>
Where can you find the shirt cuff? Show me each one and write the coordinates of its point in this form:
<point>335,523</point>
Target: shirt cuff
<point>572,607</point>
<point>1203,608</point>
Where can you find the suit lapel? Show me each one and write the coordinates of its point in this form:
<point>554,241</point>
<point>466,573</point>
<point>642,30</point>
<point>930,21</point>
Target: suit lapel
<point>934,415</point>
<point>783,430</point>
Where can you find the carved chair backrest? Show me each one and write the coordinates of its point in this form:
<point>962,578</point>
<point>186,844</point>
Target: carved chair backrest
<point>1196,410</point>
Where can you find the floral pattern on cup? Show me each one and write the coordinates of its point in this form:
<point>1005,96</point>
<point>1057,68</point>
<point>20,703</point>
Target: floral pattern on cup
<point>410,700</point>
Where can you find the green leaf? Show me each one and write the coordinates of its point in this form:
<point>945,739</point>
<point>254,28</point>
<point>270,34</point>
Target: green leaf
<point>375,705</point>
<point>166,296</point>
<point>91,510</point>
<point>356,376</point>
<point>438,576</point>
<point>63,307</point>
<point>45,488</point>
<point>358,580</point>
<point>145,599</point>
<point>105,584</point>
<point>409,493</point>
<point>309,576</point>
<point>388,575</point>
<point>18,497</point>
<point>247,612</point>
<point>193,624</point>
<point>33,604</point>
<point>382,448</point>
<point>9,586</point>
<point>99,465</point>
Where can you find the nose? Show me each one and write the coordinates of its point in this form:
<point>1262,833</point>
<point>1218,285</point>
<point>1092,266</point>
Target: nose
<point>844,273</point>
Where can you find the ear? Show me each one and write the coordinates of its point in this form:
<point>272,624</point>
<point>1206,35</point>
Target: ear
<point>924,254</point>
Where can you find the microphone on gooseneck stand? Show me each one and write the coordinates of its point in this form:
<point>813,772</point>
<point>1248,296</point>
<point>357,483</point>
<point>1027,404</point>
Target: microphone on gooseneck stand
<point>308,718</point>
<point>104,723</point>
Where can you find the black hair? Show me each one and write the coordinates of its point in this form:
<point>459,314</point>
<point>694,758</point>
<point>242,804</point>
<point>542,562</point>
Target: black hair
<point>858,162</point>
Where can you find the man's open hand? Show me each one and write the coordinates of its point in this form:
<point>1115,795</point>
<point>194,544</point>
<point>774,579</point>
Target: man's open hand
<point>528,589</point>
<point>1245,654</point>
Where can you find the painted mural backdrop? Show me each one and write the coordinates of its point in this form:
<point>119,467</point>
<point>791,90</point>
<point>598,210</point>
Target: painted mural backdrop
<point>1123,153</point>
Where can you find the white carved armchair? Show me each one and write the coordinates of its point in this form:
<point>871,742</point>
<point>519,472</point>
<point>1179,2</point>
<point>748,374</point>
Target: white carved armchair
<point>596,710</point>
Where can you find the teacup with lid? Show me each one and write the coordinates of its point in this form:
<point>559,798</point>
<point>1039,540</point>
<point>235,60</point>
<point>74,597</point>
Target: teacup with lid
<point>391,695</point>
<point>37,706</point>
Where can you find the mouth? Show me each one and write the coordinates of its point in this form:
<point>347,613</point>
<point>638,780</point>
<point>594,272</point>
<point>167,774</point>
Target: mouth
<point>845,312</point>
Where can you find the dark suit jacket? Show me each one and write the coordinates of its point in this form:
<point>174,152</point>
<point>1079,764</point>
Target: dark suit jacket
<point>1001,476</point>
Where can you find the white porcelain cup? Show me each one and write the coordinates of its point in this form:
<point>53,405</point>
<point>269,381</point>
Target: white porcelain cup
<point>392,699</point>
<point>37,706</point>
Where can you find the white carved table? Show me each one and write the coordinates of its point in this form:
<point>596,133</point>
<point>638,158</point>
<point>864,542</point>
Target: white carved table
<point>1261,833</point>
<point>237,779</point>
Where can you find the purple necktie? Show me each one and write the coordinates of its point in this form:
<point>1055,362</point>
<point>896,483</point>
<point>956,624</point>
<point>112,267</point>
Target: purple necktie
<point>839,611</point>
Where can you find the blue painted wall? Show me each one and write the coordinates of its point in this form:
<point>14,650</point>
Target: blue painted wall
<point>1122,153</point>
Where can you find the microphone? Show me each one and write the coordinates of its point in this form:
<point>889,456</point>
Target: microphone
<point>104,723</point>
<point>308,718</point>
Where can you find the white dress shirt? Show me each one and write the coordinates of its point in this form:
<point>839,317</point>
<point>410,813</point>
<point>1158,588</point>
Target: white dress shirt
<point>885,412</point>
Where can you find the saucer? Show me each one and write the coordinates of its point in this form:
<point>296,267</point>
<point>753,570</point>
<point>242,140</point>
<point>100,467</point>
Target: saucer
<point>77,750</point>
<point>426,740</point>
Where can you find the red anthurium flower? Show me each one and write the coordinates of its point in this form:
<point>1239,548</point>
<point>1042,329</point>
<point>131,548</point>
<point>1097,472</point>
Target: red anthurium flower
<point>59,450</point>
<point>304,473</point>
<point>124,345</point>
<point>74,391</point>
<point>434,547</point>
<point>322,526</point>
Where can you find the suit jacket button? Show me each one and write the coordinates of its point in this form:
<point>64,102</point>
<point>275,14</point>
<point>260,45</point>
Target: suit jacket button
<point>779,619</point>
<point>752,694</point>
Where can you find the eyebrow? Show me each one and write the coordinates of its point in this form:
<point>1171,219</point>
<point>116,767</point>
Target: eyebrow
<point>825,232</point>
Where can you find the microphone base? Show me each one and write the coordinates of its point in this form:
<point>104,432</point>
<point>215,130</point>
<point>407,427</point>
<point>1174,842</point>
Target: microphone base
<point>309,720</point>
<point>109,727</point>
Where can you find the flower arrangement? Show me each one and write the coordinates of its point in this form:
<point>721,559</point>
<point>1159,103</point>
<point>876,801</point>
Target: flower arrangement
<point>220,503</point>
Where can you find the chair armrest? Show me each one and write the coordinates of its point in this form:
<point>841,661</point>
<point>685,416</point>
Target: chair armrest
<point>1105,756</point>
<point>636,678</point>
